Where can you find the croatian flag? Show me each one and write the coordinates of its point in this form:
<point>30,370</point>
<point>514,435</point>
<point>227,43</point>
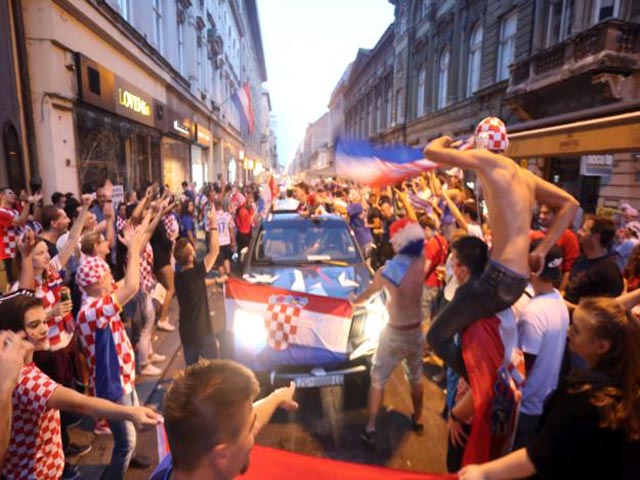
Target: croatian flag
<point>274,327</point>
<point>367,164</point>
<point>242,99</point>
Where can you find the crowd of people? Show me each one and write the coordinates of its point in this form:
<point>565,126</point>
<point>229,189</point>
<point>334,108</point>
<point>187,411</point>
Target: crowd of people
<point>488,268</point>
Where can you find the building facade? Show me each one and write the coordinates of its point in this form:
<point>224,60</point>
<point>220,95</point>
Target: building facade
<point>443,65</point>
<point>142,91</point>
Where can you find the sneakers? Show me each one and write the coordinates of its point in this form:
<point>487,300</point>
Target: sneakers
<point>417,427</point>
<point>368,438</point>
<point>165,326</point>
<point>102,428</point>
<point>140,461</point>
<point>70,472</point>
<point>150,370</point>
<point>157,358</point>
<point>75,450</point>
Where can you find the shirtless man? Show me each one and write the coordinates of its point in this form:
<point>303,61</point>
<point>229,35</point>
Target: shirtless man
<point>511,193</point>
<point>402,339</point>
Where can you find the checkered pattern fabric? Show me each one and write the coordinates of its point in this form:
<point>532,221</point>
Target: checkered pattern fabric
<point>9,235</point>
<point>491,134</point>
<point>48,290</point>
<point>147,278</point>
<point>101,313</point>
<point>171,225</point>
<point>91,271</point>
<point>281,324</point>
<point>35,446</point>
<point>120,223</point>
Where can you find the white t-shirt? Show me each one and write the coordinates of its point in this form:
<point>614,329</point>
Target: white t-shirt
<point>474,230</point>
<point>224,221</point>
<point>542,329</point>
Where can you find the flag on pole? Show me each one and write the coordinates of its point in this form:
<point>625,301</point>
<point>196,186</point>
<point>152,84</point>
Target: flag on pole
<point>274,327</point>
<point>242,100</point>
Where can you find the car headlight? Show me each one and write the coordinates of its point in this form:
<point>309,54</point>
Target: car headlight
<point>249,330</point>
<point>377,318</point>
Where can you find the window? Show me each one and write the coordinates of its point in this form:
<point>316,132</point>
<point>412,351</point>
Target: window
<point>443,78</point>
<point>157,24</point>
<point>606,9</point>
<point>507,46</point>
<point>422,78</point>
<point>388,105</point>
<point>424,8</point>
<point>475,58</point>
<point>200,60</point>
<point>399,117</point>
<point>379,125</point>
<point>125,9</point>
<point>558,21</point>
<point>181,47</point>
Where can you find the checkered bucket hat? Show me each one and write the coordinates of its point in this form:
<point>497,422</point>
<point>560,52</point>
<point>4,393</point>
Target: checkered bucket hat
<point>491,134</point>
<point>91,271</point>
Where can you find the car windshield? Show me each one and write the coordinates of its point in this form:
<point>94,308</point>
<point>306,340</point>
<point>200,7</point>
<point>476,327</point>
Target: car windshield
<point>305,240</point>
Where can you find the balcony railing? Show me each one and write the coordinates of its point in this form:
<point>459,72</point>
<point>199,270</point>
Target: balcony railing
<point>607,46</point>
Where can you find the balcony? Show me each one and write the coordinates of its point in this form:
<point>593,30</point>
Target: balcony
<point>611,46</point>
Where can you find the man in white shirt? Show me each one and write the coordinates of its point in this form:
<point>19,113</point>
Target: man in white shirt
<point>542,332</point>
<point>226,239</point>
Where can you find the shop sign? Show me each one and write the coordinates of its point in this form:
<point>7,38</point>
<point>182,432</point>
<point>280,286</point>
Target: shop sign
<point>596,165</point>
<point>181,128</point>
<point>132,103</point>
<point>203,136</point>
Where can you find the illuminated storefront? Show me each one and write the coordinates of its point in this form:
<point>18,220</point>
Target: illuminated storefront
<point>117,130</point>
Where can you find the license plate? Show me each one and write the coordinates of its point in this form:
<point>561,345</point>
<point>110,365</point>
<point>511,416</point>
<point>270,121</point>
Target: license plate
<point>320,381</point>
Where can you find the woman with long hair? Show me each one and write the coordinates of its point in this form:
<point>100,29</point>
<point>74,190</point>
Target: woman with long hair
<point>591,425</point>
<point>35,447</point>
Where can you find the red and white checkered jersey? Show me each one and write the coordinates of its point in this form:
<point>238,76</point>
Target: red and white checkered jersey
<point>171,225</point>
<point>147,278</point>
<point>9,234</point>
<point>35,446</point>
<point>103,313</point>
<point>48,290</point>
<point>120,223</point>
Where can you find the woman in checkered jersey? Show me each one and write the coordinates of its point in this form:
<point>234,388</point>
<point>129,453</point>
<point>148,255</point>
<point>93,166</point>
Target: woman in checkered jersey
<point>35,447</point>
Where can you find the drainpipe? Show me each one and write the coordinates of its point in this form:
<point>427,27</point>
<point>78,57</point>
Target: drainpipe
<point>23,71</point>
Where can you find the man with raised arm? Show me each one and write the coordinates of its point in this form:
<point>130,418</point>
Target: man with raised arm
<point>511,193</point>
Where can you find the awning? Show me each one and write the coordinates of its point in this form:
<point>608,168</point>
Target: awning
<point>610,134</point>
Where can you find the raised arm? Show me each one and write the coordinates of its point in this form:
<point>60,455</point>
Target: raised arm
<point>566,207</point>
<point>443,151</point>
<point>404,198</point>
<point>135,244</point>
<point>27,277</point>
<point>74,234</point>
<point>455,211</point>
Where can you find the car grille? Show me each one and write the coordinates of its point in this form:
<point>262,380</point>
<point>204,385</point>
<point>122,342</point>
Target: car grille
<point>356,334</point>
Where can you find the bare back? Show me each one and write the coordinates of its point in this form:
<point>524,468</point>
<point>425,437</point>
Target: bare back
<point>510,195</point>
<point>404,304</point>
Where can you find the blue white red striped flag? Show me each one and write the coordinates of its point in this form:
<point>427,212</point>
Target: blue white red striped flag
<point>242,100</point>
<point>368,164</point>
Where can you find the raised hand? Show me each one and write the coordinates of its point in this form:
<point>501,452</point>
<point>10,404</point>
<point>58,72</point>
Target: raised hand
<point>13,352</point>
<point>285,395</point>
<point>27,242</point>
<point>87,199</point>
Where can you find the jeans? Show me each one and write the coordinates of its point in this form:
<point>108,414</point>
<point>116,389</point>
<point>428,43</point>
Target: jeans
<point>481,297</point>
<point>124,441</point>
<point>205,348</point>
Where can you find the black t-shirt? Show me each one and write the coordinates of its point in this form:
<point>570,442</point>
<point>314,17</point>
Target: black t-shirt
<point>597,277</point>
<point>51,247</point>
<point>570,444</point>
<point>195,323</point>
<point>372,214</point>
<point>386,226</point>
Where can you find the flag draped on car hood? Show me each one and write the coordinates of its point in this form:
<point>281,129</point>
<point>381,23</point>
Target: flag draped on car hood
<point>372,165</point>
<point>274,327</point>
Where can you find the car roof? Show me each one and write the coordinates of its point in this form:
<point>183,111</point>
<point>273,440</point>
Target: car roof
<point>288,216</point>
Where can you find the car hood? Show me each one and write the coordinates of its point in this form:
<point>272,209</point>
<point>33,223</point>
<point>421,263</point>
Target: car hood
<point>316,279</point>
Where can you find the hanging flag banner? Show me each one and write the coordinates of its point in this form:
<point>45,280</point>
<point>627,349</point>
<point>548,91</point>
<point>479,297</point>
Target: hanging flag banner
<point>242,100</point>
